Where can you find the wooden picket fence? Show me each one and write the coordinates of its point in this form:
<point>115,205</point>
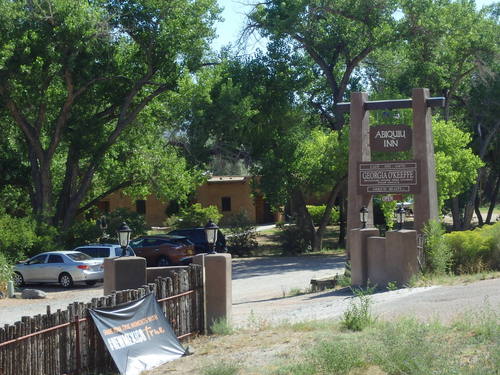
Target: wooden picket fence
<point>67,342</point>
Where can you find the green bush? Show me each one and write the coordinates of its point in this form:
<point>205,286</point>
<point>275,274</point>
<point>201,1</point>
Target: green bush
<point>240,234</point>
<point>17,237</point>
<point>82,233</point>
<point>438,254</point>
<point>358,315</point>
<point>317,212</point>
<point>134,220</point>
<point>6,271</point>
<point>475,250</point>
<point>293,240</point>
<point>195,216</point>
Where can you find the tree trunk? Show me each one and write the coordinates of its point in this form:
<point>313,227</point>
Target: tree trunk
<point>42,187</point>
<point>327,214</point>
<point>478,212</point>
<point>343,222</point>
<point>455,212</point>
<point>304,219</point>
<point>67,190</point>
<point>493,201</point>
<point>471,202</point>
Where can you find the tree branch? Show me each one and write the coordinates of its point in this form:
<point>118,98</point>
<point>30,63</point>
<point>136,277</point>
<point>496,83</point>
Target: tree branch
<point>103,195</point>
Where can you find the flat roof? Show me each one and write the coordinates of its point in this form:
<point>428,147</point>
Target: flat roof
<point>226,179</point>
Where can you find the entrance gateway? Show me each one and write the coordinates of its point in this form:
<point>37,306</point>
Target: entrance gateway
<point>394,258</point>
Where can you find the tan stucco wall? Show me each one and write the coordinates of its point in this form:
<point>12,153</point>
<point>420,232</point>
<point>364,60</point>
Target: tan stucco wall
<point>155,209</point>
<point>211,193</point>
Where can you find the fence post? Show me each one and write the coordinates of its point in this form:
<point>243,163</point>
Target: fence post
<point>77,346</point>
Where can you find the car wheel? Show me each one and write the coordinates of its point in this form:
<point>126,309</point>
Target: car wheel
<point>18,279</point>
<point>162,262</point>
<point>91,282</point>
<point>65,280</point>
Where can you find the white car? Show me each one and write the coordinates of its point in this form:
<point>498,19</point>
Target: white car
<point>101,251</point>
<point>63,267</point>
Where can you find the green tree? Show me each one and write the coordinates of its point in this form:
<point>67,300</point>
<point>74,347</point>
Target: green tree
<point>77,78</point>
<point>456,164</point>
<point>336,36</point>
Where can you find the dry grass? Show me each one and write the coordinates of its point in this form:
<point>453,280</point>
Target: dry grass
<point>323,347</point>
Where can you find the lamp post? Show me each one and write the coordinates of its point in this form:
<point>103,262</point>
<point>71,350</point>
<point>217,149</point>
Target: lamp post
<point>363,216</point>
<point>211,230</point>
<point>103,225</point>
<point>123,234</point>
<point>400,216</point>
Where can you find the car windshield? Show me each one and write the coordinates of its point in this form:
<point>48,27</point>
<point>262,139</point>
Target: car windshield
<point>79,256</point>
<point>136,243</point>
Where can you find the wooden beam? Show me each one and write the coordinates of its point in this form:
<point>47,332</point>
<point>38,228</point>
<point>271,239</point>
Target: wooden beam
<point>391,104</point>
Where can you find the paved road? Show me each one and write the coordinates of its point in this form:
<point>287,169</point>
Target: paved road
<point>260,283</point>
<point>254,279</point>
<point>437,302</point>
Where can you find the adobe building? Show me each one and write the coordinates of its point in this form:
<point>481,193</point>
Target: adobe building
<point>230,194</point>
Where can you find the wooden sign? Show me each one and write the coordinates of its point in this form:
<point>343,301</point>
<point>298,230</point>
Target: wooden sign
<point>390,138</point>
<point>388,177</point>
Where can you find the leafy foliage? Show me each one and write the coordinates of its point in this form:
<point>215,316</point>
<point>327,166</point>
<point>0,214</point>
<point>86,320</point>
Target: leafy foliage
<point>437,251</point>
<point>317,212</point>
<point>240,234</point>
<point>195,215</point>
<point>358,315</point>
<point>456,164</point>
<point>80,85</point>
<point>17,237</point>
<point>6,271</point>
<point>293,240</point>
<point>475,250</point>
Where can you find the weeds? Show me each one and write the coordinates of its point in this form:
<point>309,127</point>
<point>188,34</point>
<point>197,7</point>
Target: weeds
<point>223,368</point>
<point>358,315</point>
<point>221,327</point>
<point>392,285</point>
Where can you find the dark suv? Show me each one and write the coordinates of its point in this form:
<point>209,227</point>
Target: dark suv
<point>163,250</point>
<point>197,236</point>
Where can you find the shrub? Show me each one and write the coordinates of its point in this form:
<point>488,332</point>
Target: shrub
<point>240,234</point>
<point>317,212</point>
<point>17,237</point>
<point>195,216</point>
<point>221,327</point>
<point>81,233</point>
<point>134,220</point>
<point>6,271</point>
<point>475,250</point>
<point>358,315</point>
<point>293,240</point>
<point>438,254</point>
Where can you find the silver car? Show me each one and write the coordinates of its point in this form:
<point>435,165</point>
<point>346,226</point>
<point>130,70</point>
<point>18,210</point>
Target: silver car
<point>63,267</point>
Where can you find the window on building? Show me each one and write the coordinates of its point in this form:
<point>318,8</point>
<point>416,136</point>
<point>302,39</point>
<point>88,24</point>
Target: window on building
<point>140,206</point>
<point>226,203</point>
<point>103,206</point>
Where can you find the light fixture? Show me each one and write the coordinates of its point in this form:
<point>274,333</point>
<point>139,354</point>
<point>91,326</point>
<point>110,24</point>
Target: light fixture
<point>211,230</point>
<point>123,234</point>
<point>363,216</point>
<point>400,216</point>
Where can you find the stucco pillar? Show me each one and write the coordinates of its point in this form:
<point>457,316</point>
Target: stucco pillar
<point>377,262</point>
<point>401,255</point>
<point>359,263</point>
<point>359,150</point>
<point>124,273</point>
<point>426,204</point>
<point>217,286</point>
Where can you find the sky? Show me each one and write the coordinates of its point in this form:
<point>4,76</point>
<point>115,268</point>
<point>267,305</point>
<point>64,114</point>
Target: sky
<point>234,20</point>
